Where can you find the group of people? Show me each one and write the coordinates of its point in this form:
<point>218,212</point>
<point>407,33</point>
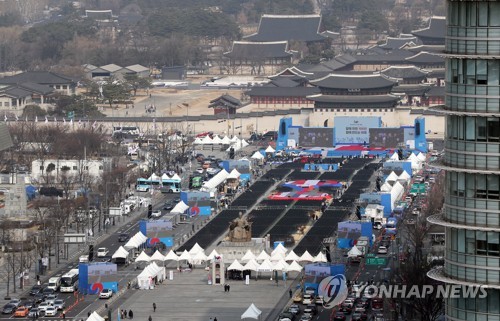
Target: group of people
<point>227,287</point>
<point>124,314</point>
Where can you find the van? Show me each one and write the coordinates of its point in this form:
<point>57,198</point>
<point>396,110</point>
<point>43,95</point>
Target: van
<point>54,283</point>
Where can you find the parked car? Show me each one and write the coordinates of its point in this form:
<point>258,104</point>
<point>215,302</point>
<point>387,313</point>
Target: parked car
<point>102,251</point>
<point>9,308</point>
<point>21,312</point>
<point>59,304</point>
<point>50,312</point>
<point>105,294</point>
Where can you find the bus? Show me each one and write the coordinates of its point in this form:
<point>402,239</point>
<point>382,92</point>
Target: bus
<point>69,281</point>
<point>164,184</point>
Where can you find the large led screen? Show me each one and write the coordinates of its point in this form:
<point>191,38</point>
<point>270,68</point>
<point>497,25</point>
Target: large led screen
<point>354,130</point>
<point>387,137</point>
<point>316,137</point>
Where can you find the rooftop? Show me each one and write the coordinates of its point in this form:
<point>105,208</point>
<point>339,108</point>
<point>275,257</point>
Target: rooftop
<point>347,81</point>
<point>37,77</point>
<point>436,29</point>
<point>256,50</point>
<point>288,27</point>
<point>404,72</point>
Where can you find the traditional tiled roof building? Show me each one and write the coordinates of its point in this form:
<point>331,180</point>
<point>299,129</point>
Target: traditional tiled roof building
<point>434,34</point>
<point>225,104</point>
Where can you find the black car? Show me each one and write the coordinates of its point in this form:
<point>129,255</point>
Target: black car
<point>36,289</point>
<point>39,297</point>
<point>123,237</point>
<point>168,206</point>
<point>9,308</point>
<point>47,291</point>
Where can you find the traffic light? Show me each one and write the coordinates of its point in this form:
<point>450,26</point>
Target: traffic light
<point>150,210</point>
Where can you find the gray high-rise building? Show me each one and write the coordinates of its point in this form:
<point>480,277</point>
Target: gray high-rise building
<point>471,213</point>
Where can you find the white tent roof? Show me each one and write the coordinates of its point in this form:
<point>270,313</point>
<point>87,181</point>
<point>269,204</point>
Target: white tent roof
<point>185,256</point>
<point>280,248</point>
<point>306,257</point>
<point>171,256</point>
<point>226,140</point>
<point>252,265</point>
<point>265,266</point>
<point>251,313</point>
<point>135,241</point>
<point>292,256</point>
<point>234,174</point>
<point>96,317</point>
<point>257,155</point>
<point>244,143</point>
<point>206,140</point>
<point>270,149</point>
<point>216,140</point>
<point>165,176</point>
<point>386,187</point>
<point>280,265</point>
<point>196,249</point>
<point>234,139</point>
<point>212,254</point>
<point>197,141</point>
<point>294,266</point>
<point>120,253</point>
<point>404,175</point>
<point>263,256</point>
<point>216,180</point>
<point>248,256</point>
<point>392,177</point>
<point>143,257</point>
<point>421,156</point>
<point>151,270</point>
<point>321,257</point>
<point>180,207</point>
<point>277,256</point>
<point>395,156</point>
<point>354,252</point>
<point>235,266</point>
<point>153,177</point>
<point>413,157</point>
<point>157,256</point>
<point>176,177</point>
<point>198,257</point>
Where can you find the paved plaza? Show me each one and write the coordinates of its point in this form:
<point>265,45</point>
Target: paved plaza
<point>188,297</point>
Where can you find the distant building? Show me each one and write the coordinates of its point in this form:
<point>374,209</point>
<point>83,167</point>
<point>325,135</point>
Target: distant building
<point>225,105</point>
<point>59,83</point>
<point>114,71</point>
<point>173,73</point>
<point>100,15</point>
<point>51,170</point>
<point>434,34</point>
<point>13,199</point>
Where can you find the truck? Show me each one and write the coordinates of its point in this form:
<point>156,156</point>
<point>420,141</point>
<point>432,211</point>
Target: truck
<point>363,244</point>
<point>115,211</point>
<point>54,283</point>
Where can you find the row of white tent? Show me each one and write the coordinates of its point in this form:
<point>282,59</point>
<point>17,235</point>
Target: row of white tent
<point>197,255</point>
<point>393,177</point>
<point>155,177</point>
<point>265,266</point>
<point>416,160</point>
<point>215,140</point>
<point>151,272</point>
<point>219,178</point>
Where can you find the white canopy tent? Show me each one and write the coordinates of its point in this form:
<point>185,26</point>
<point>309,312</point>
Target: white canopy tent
<point>234,139</point>
<point>196,249</point>
<point>265,266</point>
<point>386,187</point>
<point>248,256</point>
<point>252,265</point>
<point>176,177</point>
<point>180,208</point>
<point>292,256</point>
<point>354,252</point>
<point>279,249</point>
<point>157,256</point>
<point>96,317</point>
<point>263,256</point>
<point>213,253</point>
<point>321,257</point>
<point>206,140</point>
<point>226,140</point>
<point>234,174</point>
<point>121,253</point>
<point>185,256</point>
<point>421,157</point>
<point>251,313</point>
<point>143,257</point>
<point>145,280</point>
<point>216,140</point>
<point>404,176</point>
<point>215,181</point>
<point>277,256</point>
<point>280,265</point>
<point>394,156</point>
<point>171,256</point>
<point>135,241</point>
<point>235,266</point>
<point>198,141</point>
<point>153,177</point>
<point>270,149</point>
<point>257,155</point>
<point>397,192</point>
<point>294,266</point>
<point>198,258</point>
<point>392,177</point>
<point>306,257</point>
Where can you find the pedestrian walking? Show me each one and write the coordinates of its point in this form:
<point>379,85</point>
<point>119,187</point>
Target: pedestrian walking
<point>215,319</point>
<point>125,313</point>
<point>130,314</point>
<point>228,288</point>
<point>290,292</point>
<point>150,318</point>
<point>154,307</point>
<point>64,315</point>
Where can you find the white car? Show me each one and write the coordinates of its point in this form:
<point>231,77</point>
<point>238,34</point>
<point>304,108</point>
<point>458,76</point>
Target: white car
<point>156,213</point>
<point>102,251</point>
<point>307,299</point>
<point>83,259</point>
<point>382,250</point>
<point>43,306</point>
<point>50,312</point>
<point>105,294</point>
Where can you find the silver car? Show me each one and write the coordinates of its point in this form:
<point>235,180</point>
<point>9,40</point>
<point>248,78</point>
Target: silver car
<point>50,299</point>
<point>59,304</point>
